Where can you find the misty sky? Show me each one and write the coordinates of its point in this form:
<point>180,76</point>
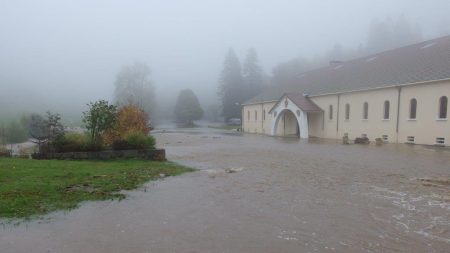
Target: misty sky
<point>68,52</point>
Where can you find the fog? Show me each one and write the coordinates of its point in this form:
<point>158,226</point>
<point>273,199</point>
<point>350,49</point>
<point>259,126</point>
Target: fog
<point>60,55</point>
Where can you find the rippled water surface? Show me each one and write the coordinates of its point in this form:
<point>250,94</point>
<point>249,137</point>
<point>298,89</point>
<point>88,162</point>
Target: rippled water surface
<point>262,194</point>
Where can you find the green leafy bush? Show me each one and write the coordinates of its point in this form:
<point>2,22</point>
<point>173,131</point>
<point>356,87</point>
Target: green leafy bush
<point>134,140</point>
<point>75,142</point>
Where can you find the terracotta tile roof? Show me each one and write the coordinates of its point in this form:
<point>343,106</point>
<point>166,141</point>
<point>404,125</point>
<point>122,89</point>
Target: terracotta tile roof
<point>421,62</point>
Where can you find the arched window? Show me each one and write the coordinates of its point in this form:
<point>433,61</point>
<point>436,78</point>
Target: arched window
<point>443,101</point>
<point>413,108</point>
<point>347,111</point>
<point>386,109</point>
<point>366,110</point>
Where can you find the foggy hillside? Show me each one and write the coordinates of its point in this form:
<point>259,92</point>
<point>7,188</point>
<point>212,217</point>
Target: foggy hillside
<point>60,55</point>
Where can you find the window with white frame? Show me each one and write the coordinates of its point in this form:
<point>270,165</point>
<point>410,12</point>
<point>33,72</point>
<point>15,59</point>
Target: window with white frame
<point>443,102</point>
<point>440,141</point>
<point>366,110</point>
<point>386,109</point>
<point>410,139</point>
<point>413,108</point>
<point>347,111</point>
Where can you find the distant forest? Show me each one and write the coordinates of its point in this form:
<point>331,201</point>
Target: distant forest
<point>382,35</point>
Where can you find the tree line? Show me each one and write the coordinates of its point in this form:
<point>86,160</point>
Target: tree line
<point>133,85</point>
<point>382,35</point>
<point>239,83</point>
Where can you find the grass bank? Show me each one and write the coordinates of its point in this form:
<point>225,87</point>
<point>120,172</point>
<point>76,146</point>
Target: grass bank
<point>36,187</point>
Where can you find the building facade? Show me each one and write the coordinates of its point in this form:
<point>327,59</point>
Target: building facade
<point>413,108</point>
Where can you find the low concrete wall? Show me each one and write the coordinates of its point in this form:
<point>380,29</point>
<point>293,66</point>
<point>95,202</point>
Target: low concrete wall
<point>146,154</point>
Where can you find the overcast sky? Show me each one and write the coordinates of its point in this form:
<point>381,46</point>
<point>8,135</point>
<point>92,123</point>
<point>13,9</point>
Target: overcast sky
<point>71,50</point>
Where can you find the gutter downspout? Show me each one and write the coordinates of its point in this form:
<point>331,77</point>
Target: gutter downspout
<point>263,115</point>
<point>242,119</point>
<point>398,110</point>
<point>323,121</point>
<point>337,117</point>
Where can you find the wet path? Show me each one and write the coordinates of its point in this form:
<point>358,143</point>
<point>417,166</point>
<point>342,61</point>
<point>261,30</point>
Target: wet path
<point>285,195</point>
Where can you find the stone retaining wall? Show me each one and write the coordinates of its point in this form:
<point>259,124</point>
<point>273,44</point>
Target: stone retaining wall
<point>5,153</point>
<point>146,154</point>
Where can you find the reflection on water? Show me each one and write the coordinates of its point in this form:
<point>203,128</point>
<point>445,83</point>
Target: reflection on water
<point>262,194</point>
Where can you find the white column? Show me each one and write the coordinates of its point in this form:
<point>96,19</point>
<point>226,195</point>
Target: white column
<point>303,125</point>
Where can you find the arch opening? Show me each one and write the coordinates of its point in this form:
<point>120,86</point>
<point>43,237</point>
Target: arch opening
<point>287,124</point>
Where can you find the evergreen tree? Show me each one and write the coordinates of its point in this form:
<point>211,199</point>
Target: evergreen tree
<point>187,108</point>
<point>252,74</point>
<point>231,89</point>
<point>381,36</point>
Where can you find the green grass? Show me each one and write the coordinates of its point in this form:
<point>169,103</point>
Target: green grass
<point>35,187</point>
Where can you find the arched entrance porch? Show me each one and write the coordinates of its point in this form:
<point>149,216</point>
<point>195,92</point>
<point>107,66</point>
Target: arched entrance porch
<point>290,115</point>
<point>286,124</point>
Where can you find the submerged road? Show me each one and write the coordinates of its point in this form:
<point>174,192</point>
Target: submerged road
<point>261,194</point>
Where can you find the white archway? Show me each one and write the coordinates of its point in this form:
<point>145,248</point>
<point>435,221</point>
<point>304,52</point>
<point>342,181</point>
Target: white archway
<point>288,106</point>
<point>289,122</point>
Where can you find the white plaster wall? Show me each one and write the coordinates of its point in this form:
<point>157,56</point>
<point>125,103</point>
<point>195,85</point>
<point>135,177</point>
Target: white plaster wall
<point>258,124</point>
<point>427,127</point>
<point>375,126</point>
<point>321,125</point>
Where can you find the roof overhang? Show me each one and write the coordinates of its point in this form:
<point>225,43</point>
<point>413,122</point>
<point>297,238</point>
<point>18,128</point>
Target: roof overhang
<point>301,101</point>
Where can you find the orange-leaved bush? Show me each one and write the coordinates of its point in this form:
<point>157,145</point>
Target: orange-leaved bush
<point>129,119</point>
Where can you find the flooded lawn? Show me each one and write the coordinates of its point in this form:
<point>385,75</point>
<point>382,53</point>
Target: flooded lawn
<point>262,194</point>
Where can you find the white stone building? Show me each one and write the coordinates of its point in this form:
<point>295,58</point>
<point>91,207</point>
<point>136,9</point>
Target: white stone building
<point>399,95</point>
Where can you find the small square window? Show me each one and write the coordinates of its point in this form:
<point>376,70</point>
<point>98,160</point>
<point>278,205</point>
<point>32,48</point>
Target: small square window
<point>411,139</point>
<point>440,141</point>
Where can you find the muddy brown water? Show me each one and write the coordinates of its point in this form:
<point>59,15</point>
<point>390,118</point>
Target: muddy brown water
<point>283,195</point>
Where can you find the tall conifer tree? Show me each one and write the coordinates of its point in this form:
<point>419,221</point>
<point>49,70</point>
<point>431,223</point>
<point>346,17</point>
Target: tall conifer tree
<point>231,89</point>
<point>252,74</point>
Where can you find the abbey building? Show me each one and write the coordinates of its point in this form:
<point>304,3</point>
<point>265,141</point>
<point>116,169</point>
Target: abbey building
<point>399,95</point>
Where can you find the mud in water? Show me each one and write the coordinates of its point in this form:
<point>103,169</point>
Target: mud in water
<point>262,194</point>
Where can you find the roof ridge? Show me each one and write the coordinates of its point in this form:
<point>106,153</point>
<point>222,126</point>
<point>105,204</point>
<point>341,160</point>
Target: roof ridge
<point>414,63</point>
<point>371,55</point>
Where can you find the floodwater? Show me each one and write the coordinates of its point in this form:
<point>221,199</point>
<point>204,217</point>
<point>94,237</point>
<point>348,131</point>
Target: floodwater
<point>262,194</point>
